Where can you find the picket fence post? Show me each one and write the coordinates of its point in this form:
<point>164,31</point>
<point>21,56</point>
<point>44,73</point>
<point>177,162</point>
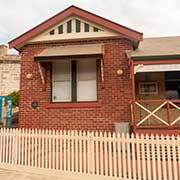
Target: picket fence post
<point>113,155</point>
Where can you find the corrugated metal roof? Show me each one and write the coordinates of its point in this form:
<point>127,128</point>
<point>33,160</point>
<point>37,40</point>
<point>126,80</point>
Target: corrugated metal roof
<point>71,50</point>
<point>160,46</point>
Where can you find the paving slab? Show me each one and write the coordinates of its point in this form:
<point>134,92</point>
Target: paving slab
<point>17,175</point>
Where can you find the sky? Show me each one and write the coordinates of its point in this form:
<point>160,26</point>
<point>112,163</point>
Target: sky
<point>152,17</point>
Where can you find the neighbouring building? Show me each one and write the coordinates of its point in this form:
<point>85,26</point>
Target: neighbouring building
<point>9,71</point>
<point>81,71</point>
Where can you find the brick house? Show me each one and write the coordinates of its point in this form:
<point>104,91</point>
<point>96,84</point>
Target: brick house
<point>81,71</point>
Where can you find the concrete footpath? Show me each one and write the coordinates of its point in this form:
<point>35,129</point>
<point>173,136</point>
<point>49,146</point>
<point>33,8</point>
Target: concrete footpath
<point>17,175</point>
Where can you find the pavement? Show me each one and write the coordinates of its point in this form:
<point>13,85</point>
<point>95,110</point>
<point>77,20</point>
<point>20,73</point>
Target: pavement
<point>17,175</point>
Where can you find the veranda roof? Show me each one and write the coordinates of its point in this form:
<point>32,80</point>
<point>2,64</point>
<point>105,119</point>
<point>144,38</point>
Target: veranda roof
<point>157,68</point>
<point>157,48</point>
<point>60,52</point>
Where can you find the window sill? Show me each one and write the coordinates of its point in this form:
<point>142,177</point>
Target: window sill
<point>74,105</point>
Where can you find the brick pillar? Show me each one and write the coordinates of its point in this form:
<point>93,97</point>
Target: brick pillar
<point>3,50</point>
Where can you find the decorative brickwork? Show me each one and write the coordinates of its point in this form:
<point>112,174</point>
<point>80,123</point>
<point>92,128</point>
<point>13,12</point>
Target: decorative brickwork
<point>114,95</point>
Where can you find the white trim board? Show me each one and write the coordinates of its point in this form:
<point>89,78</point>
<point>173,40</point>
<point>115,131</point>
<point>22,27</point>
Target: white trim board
<point>157,68</point>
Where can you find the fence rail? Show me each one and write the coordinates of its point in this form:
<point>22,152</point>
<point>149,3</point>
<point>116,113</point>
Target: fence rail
<point>157,114</point>
<point>105,154</point>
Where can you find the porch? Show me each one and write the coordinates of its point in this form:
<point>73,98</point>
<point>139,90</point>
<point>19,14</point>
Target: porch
<point>157,116</point>
<point>156,97</point>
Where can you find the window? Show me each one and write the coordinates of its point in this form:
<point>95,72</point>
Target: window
<point>60,29</point>
<point>86,81</point>
<point>52,32</point>
<point>78,25</point>
<point>69,26</point>
<point>86,27</point>
<point>95,29</point>
<point>148,88</point>
<point>172,84</point>
<point>61,81</point>
<point>74,81</point>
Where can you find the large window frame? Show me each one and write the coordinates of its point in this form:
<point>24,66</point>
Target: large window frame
<point>74,83</point>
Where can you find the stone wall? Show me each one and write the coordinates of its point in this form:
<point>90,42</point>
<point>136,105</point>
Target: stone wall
<point>9,71</point>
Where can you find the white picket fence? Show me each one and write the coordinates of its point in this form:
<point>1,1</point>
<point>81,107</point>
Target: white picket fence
<point>111,155</point>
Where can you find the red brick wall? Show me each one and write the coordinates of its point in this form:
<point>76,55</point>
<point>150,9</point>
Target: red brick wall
<point>115,96</point>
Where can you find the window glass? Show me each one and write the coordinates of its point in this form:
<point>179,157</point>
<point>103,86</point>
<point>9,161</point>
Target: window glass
<point>74,81</point>
<point>86,27</point>
<point>86,80</point>
<point>172,83</point>
<point>61,81</point>
<point>78,25</point>
<point>52,32</point>
<point>95,29</point>
<point>60,29</point>
<point>69,26</point>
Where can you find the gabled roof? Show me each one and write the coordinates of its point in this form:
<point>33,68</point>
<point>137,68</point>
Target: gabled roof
<point>73,10</point>
<point>157,48</point>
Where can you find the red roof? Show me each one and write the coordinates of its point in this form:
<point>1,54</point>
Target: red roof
<point>73,10</point>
